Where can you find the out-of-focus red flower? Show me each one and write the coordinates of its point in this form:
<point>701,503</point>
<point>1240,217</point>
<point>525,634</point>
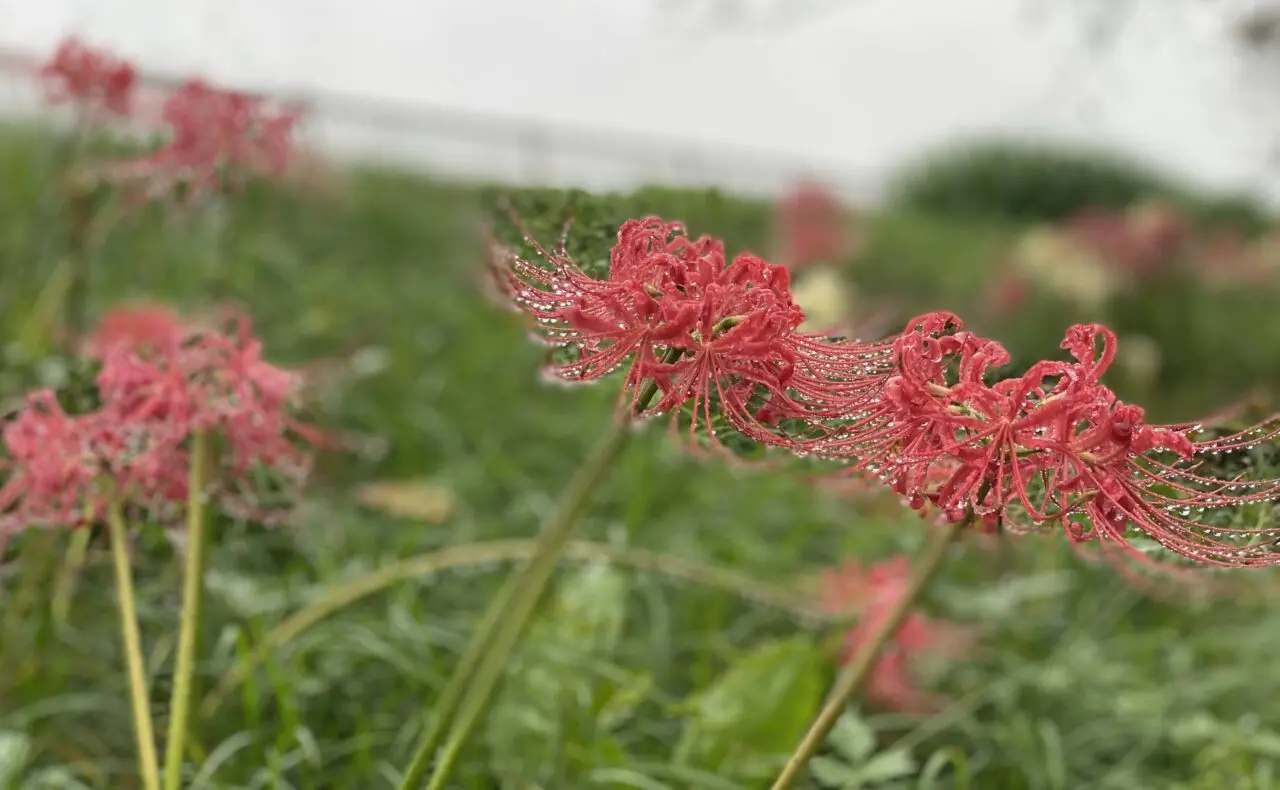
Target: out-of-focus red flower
<point>873,591</point>
<point>216,138</point>
<point>213,382</point>
<point>1054,445</point>
<point>56,468</point>
<point>96,81</point>
<point>714,334</point>
<point>161,381</point>
<point>1008,292</point>
<point>812,225</point>
<point>143,326</point>
<point>1140,242</point>
<point>847,589</point>
<point>1226,259</point>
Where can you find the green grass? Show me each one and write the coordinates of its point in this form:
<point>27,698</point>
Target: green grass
<point>635,678</point>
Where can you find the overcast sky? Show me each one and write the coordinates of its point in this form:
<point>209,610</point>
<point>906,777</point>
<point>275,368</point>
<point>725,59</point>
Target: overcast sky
<point>863,87</point>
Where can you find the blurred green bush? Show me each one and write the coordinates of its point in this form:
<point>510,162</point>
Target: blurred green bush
<point>1020,181</point>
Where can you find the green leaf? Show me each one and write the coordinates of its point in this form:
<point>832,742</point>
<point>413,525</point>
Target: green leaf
<point>592,608</point>
<point>833,773</point>
<point>858,765</point>
<point>939,762</point>
<point>852,738</point>
<point>755,713</point>
<point>553,718</point>
<point>620,701</point>
<point>15,748</point>
<point>893,764</point>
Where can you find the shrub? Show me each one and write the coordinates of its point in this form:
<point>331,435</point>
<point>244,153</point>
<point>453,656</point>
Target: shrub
<point>1025,182</point>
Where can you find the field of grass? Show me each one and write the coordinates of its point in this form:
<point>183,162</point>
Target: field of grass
<point>680,651</point>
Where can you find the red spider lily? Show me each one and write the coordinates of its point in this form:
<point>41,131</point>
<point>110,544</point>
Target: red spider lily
<point>212,382</point>
<point>1104,470</point>
<point>216,138</point>
<point>848,588</point>
<point>902,435</point>
<point>135,448</point>
<point>67,469</point>
<point>96,81</point>
<point>1055,444</point>
<point>874,591</point>
<point>144,326</point>
<point>717,335</point>
<point>811,220</point>
<point>57,471</point>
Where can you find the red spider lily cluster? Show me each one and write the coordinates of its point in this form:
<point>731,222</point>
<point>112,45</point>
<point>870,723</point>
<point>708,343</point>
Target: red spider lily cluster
<point>716,334</point>
<point>96,82</point>
<point>872,592</point>
<point>214,137</point>
<point>921,411</point>
<point>160,382</point>
<point>142,326</point>
<point>1054,445</point>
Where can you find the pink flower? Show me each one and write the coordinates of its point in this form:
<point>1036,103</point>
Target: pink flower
<point>217,138</point>
<point>96,81</point>
<point>812,220</point>
<point>1007,293</point>
<point>57,470</point>
<point>135,448</point>
<point>874,591</point>
<point>217,383</point>
<point>717,335</point>
<point>141,326</point>
<point>1051,446</point>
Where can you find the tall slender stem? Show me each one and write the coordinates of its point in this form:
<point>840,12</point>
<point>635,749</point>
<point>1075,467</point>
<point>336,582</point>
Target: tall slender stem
<point>189,628</point>
<point>855,675</point>
<point>73,565</point>
<point>480,668</point>
<point>143,728</point>
<point>80,205</point>
<point>522,605</point>
<point>39,548</point>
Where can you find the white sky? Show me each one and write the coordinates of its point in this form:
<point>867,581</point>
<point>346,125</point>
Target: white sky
<point>862,87</point>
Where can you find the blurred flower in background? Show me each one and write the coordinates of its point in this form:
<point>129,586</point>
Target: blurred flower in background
<point>812,224</point>
<point>815,241</point>
<point>96,82</point>
<point>921,650</point>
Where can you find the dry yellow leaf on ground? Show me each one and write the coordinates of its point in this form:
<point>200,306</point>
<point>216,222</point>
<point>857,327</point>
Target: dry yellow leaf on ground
<point>418,499</point>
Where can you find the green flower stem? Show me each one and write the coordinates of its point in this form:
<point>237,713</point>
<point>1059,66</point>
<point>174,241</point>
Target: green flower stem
<point>855,675</point>
<point>480,668</point>
<point>38,550</point>
<point>143,728</point>
<point>189,628</point>
<point>69,576</point>
<point>79,204</point>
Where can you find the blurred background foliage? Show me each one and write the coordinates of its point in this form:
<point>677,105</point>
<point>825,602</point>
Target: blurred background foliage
<point>675,654</point>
